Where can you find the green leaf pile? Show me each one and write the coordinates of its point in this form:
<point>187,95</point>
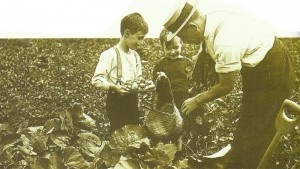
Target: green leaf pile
<point>47,101</point>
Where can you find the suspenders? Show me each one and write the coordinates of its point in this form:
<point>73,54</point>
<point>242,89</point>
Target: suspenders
<point>119,65</point>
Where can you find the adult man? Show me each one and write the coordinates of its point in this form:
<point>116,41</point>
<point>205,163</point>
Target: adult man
<point>238,43</point>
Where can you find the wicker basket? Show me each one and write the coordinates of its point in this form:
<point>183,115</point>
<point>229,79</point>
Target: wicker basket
<point>162,124</point>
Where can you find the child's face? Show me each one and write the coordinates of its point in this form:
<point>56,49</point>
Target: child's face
<point>173,48</point>
<point>135,40</point>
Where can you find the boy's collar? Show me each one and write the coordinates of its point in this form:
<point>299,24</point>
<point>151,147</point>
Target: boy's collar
<point>122,50</point>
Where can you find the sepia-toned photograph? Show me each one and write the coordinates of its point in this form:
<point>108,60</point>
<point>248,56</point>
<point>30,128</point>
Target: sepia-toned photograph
<point>150,84</point>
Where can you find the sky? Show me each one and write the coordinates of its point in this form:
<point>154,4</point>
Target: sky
<point>101,18</point>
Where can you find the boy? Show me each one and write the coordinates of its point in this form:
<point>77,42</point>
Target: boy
<point>238,43</point>
<point>117,65</point>
<point>177,67</point>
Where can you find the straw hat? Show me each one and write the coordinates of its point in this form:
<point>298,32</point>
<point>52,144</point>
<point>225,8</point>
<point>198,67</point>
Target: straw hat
<point>180,16</point>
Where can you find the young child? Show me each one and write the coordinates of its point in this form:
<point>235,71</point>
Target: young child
<point>118,65</point>
<point>177,67</point>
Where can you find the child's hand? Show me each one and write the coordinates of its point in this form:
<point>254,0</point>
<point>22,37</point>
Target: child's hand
<point>120,89</point>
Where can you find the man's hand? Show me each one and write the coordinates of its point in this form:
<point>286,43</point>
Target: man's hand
<point>189,105</point>
<point>120,89</point>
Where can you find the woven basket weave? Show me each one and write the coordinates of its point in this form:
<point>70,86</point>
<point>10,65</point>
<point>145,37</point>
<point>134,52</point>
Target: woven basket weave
<point>162,124</point>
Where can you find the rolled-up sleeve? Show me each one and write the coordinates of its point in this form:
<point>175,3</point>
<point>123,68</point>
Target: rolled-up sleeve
<point>101,72</point>
<point>228,59</point>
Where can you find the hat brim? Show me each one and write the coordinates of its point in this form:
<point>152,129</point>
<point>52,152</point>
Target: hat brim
<point>194,3</point>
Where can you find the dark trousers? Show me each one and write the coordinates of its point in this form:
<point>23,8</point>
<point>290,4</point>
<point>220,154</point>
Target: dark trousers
<point>122,110</point>
<point>265,87</point>
<point>180,97</point>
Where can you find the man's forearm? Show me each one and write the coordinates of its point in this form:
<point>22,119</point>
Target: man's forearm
<point>226,85</point>
<point>213,93</point>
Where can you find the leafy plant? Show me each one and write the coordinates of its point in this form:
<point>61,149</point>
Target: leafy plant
<point>49,109</point>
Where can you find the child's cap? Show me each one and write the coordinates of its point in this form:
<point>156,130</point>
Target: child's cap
<point>180,16</point>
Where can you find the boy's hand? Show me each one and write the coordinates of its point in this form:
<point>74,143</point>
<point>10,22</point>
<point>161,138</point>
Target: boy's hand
<point>120,89</point>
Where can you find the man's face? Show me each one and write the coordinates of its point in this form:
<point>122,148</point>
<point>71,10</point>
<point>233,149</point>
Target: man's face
<point>190,33</point>
<point>173,48</point>
<point>135,40</point>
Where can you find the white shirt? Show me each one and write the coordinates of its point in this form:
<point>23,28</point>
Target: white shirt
<point>234,40</point>
<point>106,70</point>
